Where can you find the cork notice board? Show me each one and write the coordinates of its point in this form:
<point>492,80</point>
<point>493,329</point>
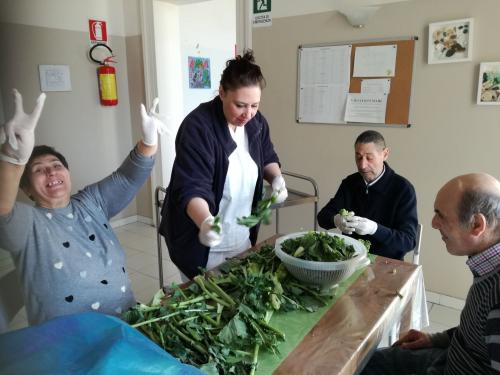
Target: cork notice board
<point>314,104</point>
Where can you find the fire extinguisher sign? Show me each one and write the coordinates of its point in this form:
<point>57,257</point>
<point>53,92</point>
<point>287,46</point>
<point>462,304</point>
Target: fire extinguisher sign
<point>97,31</point>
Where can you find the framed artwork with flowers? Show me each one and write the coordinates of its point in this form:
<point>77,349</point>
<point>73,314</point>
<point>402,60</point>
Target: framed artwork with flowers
<point>450,41</point>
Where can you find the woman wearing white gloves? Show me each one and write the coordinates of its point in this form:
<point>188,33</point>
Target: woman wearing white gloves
<point>223,153</point>
<point>68,258</point>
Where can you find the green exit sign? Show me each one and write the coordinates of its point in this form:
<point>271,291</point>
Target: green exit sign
<point>261,6</point>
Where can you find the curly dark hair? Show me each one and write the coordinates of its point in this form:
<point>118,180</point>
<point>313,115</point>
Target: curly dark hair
<point>242,71</point>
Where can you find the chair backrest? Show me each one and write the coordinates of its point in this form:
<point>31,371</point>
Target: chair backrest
<point>416,249</point>
<point>11,298</point>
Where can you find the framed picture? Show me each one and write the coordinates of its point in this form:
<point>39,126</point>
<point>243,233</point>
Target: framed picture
<point>199,72</point>
<point>450,41</point>
<point>488,87</point>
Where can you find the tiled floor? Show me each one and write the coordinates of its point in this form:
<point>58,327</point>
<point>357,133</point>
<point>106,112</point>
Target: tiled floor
<point>139,242</point>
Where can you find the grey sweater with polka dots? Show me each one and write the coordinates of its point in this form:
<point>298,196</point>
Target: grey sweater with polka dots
<point>69,259</point>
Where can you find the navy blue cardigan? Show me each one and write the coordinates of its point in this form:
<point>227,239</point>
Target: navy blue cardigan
<point>391,203</point>
<point>203,145</point>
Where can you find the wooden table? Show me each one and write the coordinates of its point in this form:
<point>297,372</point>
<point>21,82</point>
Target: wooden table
<point>352,328</point>
<point>343,339</point>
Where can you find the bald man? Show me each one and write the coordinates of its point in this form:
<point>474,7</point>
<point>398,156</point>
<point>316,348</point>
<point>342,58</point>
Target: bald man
<point>467,214</point>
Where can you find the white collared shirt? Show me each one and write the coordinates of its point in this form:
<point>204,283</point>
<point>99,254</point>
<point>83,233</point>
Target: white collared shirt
<point>368,184</point>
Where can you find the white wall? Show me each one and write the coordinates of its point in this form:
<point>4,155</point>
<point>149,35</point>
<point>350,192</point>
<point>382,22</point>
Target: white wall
<point>178,30</point>
<point>94,139</point>
<point>121,15</point>
<point>206,36</point>
<point>288,8</point>
<point>169,79</point>
<point>450,134</point>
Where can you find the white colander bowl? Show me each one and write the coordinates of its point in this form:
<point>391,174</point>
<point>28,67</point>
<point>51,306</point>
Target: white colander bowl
<point>324,274</point>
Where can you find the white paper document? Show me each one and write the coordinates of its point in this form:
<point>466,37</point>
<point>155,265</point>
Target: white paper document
<point>368,108</point>
<point>375,61</point>
<point>376,86</point>
<point>323,104</point>
<point>54,78</point>
<point>324,83</point>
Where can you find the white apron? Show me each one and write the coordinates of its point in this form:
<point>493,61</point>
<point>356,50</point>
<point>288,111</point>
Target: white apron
<point>236,201</point>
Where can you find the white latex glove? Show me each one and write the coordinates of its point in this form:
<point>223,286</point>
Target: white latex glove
<point>17,136</point>
<point>207,235</point>
<point>342,223</point>
<point>362,225</point>
<point>151,124</point>
<point>279,189</point>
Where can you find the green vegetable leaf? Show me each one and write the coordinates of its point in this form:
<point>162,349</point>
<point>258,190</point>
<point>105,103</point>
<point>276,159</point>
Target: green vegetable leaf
<point>220,322</point>
<point>318,246</point>
<point>216,226</point>
<point>234,331</point>
<point>343,212</point>
<point>262,213</point>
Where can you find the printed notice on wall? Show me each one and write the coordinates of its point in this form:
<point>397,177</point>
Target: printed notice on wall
<point>376,86</point>
<point>369,108</point>
<point>324,84</point>
<point>375,61</point>
<point>262,13</point>
<point>54,78</point>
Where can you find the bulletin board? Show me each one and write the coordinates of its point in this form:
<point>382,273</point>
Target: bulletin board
<point>310,103</point>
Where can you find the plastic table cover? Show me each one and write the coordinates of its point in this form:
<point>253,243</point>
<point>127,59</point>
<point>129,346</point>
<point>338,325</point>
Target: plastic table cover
<point>87,343</point>
<point>388,293</point>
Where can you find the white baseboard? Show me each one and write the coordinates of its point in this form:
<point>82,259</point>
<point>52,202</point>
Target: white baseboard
<point>444,300</point>
<point>145,220</point>
<point>123,221</point>
<point>131,219</point>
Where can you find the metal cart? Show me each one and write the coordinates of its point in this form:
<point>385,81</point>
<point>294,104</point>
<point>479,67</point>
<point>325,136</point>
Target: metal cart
<point>295,197</point>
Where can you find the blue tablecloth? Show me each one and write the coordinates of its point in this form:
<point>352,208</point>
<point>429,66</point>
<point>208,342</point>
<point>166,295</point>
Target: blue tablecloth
<point>87,343</point>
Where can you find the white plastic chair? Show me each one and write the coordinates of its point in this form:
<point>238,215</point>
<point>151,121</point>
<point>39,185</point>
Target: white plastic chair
<point>416,249</point>
<point>11,298</point>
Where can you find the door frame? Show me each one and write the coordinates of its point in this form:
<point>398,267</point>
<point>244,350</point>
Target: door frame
<point>243,41</point>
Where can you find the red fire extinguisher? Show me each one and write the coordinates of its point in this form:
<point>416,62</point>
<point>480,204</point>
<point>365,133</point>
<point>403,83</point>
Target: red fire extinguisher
<point>106,75</point>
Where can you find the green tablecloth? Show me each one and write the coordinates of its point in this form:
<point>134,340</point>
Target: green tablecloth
<point>296,325</point>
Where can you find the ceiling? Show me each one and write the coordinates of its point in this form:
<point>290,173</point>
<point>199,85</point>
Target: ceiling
<point>288,8</point>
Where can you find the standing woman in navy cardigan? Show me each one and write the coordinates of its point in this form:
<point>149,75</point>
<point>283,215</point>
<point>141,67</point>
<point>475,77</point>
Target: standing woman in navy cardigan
<point>223,154</point>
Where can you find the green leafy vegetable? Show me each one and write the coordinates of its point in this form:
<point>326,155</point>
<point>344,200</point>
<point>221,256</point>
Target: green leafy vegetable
<point>262,213</point>
<point>221,322</point>
<point>367,243</point>
<point>343,212</point>
<point>216,226</point>
<point>318,246</point>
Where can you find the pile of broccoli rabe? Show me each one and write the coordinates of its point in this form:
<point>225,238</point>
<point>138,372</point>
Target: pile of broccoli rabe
<point>221,322</point>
